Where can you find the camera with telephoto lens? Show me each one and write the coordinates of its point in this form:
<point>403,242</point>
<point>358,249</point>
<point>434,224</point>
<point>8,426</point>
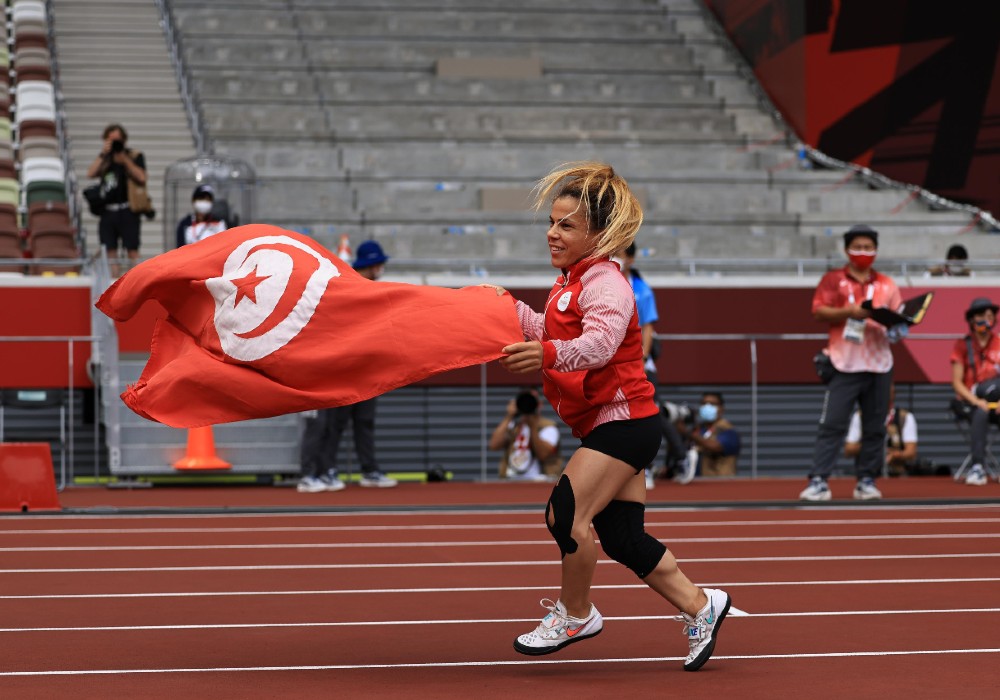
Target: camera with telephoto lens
<point>526,403</point>
<point>678,412</point>
<point>989,390</point>
<point>117,146</point>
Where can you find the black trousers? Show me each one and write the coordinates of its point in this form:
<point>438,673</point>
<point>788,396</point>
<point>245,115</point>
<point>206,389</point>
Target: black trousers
<point>321,438</point>
<point>979,423</point>
<point>675,444</point>
<point>870,391</point>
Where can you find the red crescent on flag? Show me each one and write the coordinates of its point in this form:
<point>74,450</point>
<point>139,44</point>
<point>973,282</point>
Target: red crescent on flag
<point>304,265</point>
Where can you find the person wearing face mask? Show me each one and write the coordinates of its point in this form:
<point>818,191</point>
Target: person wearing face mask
<point>714,439</point>
<point>975,377</point>
<point>200,223</point>
<point>858,348</point>
<point>956,264</point>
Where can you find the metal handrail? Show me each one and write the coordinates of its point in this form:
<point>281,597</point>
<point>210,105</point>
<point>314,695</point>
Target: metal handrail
<point>752,338</point>
<point>689,267</point>
<point>189,95</point>
<point>70,340</point>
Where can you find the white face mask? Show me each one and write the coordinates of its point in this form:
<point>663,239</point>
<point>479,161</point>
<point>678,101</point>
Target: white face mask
<point>202,206</point>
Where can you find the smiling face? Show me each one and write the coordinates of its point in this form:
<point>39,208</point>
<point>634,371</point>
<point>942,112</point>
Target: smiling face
<point>569,237</point>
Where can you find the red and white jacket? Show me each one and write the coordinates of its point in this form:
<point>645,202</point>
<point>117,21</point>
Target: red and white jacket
<point>592,367</point>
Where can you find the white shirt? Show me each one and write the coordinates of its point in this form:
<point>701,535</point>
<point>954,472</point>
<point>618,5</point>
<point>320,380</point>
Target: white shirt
<point>909,431</point>
<point>522,463</point>
<point>199,230</point>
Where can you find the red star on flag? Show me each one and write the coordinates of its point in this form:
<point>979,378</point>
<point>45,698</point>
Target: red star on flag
<point>247,287</point>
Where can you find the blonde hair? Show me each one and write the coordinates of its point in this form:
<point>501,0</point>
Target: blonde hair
<point>612,211</point>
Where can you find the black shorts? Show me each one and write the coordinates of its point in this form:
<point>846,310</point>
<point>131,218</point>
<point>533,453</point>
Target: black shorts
<point>121,225</point>
<point>634,441</point>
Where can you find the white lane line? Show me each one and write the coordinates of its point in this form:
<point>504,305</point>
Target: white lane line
<point>445,512</point>
<point>499,564</point>
<point>382,623</point>
<point>735,612</point>
<point>490,543</point>
<point>482,664</point>
<point>482,589</point>
<point>492,526</point>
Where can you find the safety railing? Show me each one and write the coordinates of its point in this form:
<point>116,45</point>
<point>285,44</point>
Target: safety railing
<point>72,342</point>
<point>752,340</point>
<point>189,95</point>
<point>911,271</point>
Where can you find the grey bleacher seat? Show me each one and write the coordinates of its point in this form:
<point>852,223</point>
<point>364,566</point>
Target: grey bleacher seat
<point>489,67</point>
<point>352,125</point>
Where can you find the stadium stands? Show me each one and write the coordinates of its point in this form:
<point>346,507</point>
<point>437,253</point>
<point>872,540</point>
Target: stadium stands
<point>114,67</point>
<point>425,125</point>
<point>38,178</point>
<point>400,122</point>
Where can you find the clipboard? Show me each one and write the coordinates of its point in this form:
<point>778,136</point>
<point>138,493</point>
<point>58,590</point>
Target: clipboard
<point>911,312</point>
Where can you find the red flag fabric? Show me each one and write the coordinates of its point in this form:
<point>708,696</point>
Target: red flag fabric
<point>263,321</point>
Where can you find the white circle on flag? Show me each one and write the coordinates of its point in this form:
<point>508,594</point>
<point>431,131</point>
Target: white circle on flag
<point>563,302</point>
<point>254,280</point>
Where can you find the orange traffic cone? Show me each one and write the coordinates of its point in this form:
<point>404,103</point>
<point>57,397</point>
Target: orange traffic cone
<point>201,451</point>
<point>344,250</point>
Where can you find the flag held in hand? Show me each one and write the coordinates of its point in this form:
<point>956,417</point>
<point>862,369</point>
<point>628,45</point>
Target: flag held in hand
<point>262,321</point>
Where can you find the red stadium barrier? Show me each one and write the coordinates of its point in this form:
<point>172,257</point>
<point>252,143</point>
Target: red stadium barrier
<point>27,481</point>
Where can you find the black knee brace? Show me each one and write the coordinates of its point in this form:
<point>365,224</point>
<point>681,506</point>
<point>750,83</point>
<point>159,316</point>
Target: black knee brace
<point>559,514</point>
<point>624,539</point>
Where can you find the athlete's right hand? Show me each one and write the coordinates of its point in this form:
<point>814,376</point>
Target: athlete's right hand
<point>522,358</point>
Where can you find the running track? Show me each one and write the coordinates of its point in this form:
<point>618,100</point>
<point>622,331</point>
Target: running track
<point>887,602</point>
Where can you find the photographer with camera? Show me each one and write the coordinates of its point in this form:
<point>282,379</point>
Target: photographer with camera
<point>714,442</point>
<point>530,442</point>
<point>975,377</point>
<point>122,174</point>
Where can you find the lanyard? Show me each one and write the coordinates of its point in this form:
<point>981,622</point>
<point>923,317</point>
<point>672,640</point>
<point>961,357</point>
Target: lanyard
<point>869,293</point>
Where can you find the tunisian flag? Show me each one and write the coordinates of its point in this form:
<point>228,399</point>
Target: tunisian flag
<point>263,321</point>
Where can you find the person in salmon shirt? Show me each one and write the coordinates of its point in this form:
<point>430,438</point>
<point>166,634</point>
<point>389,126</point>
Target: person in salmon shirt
<point>862,364</point>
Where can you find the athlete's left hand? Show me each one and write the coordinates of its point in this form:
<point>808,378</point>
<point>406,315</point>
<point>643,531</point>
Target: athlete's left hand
<point>522,358</point>
<point>499,290</point>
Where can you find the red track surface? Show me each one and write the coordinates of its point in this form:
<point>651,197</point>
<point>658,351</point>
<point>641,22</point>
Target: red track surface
<point>880,601</point>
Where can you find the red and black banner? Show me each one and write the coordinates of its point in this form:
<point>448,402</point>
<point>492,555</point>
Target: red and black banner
<point>908,88</point>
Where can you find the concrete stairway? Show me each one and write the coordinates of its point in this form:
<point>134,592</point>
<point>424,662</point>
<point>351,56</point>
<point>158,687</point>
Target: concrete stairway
<point>114,67</point>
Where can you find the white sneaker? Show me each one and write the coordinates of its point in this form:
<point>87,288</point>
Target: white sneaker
<point>689,465</point>
<point>378,480</point>
<point>817,490</point>
<point>702,629</point>
<point>332,483</point>
<point>310,484</point>
<point>557,629</point>
<point>866,491</point>
<point>976,476</point>
<point>650,484</point>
